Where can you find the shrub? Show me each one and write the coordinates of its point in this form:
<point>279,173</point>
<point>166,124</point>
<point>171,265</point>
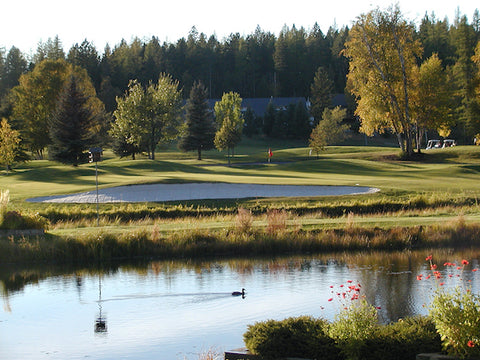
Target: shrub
<point>457,318</point>
<point>243,220</point>
<point>13,220</point>
<point>402,340</point>
<point>456,313</point>
<point>304,337</point>
<point>353,325</point>
<point>276,221</point>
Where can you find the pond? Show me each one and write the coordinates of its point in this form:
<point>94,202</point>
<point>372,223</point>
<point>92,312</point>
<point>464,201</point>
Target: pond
<point>177,310</point>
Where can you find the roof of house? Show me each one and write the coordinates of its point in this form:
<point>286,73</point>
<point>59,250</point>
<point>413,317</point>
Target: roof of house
<point>259,105</point>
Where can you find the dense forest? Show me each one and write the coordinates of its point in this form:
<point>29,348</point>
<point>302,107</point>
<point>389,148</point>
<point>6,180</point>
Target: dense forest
<point>258,65</point>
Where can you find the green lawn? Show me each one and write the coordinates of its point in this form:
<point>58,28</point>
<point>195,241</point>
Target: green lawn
<point>452,172</point>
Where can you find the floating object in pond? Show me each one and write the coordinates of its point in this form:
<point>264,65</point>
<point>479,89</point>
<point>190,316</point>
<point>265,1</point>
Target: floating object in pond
<point>239,293</point>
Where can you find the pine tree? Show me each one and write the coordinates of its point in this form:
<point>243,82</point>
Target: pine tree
<point>322,93</point>
<point>200,127</point>
<point>71,123</point>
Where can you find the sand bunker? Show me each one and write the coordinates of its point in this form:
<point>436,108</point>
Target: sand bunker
<point>200,191</point>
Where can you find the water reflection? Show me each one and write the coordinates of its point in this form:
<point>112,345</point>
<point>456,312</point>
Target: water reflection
<point>174,309</point>
<point>100,321</point>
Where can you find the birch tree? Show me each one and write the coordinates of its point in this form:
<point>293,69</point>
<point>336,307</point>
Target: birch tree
<point>382,53</point>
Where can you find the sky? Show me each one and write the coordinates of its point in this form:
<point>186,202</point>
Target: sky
<point>25,23</point>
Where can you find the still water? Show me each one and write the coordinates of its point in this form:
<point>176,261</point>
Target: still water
<point>177,310</point>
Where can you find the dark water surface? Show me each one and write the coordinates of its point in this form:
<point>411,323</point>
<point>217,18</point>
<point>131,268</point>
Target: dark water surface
<point>177,310</point>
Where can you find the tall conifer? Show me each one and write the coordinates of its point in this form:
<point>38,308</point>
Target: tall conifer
<point>71,123</point>
<point>200,127</point>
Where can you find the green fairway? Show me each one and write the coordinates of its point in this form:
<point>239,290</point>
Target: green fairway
<point>454,170</point>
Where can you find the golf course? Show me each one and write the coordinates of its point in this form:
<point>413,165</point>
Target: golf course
<point>412,199</point>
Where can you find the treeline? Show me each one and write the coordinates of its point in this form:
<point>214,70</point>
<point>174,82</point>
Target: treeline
<point>260,64</point>
<point>296,63</point>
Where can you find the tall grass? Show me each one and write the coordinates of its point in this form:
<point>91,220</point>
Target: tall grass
<point>85,215</point>
<point>195,243</point>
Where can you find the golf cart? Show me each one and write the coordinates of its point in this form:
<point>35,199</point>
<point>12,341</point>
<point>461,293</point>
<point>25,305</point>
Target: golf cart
<point>434,144</point>
<point>449,143</point>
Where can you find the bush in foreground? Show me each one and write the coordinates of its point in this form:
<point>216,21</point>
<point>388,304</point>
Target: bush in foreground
<point>304,336</point>
<point>308,337</point>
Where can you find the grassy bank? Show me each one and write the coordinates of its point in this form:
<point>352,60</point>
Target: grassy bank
<point>241,240</point>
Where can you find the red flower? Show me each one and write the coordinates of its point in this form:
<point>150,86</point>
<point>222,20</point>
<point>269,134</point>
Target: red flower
<point>433,267</point>
<point>330,299</point>
<point>464,262</point>
<point>470,344</point>
<point>349,281</point>
<point>474,270</point>
<point>429,257</point>
<point>419,277</point>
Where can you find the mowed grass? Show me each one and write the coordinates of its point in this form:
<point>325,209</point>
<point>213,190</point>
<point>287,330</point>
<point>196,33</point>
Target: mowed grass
<point>441,173</point>
<point>454,170</point>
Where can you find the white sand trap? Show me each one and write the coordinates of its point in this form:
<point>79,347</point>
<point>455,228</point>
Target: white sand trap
<point>200,191</point>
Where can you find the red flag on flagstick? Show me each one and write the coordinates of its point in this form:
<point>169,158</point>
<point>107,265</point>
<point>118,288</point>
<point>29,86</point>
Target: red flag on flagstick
<point>270,154</point>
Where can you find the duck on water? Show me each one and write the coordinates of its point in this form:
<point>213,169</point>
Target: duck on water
<point>239,293</point>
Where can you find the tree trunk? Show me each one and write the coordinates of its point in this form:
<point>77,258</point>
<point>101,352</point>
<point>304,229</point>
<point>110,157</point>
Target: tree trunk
<point>400,141</point>
<point>199,152</point>
<point>420,133</point>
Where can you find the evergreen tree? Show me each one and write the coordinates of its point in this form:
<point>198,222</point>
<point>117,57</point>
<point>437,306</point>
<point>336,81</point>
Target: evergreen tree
<point>301,122</point>
<point>269,119</point>
<point>464,38</point>
<point>251,123</point>
<point>199,127</point>
<point>321,93</point>
<point>15,66</point>
<point>86,56</point>
<point>71,123</point>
